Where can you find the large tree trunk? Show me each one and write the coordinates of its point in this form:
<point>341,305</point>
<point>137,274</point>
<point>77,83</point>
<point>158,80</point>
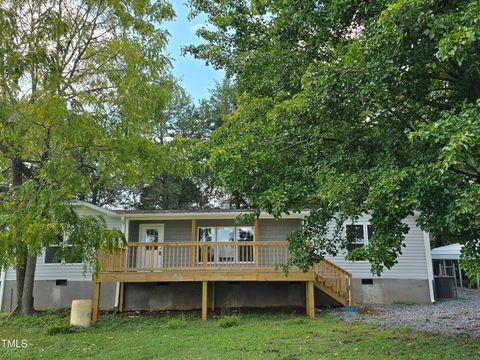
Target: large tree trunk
<point>20,272</point>
<point>27,295</point>
<point>25,263</point>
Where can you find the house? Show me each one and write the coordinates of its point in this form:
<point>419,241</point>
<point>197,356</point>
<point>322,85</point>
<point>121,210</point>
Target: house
<point>201,259</point>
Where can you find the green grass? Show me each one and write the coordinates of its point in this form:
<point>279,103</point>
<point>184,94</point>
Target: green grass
<point>249,336</point>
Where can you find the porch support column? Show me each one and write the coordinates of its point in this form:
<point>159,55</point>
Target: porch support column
<point>460,274</point>
<point>213,296</point>
<point>193,240</point>
<point>96,301</point>
<point>121,297</point>
<point>256,259</point>
<point>309,299</point>
<point>204,300</point>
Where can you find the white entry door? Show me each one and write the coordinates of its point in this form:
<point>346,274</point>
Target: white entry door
<point>150,257</point>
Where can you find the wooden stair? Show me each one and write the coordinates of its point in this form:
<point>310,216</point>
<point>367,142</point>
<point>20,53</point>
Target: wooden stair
<point>334,282</point>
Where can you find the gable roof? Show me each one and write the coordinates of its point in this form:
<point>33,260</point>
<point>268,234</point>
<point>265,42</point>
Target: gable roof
<point>99,209</point>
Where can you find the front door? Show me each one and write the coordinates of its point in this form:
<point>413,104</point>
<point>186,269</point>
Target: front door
<point>150,257</point>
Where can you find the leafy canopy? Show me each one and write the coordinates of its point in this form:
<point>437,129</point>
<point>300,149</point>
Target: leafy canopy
<point>194,123</point>
<point>351,107</point>
<point>83,85</point>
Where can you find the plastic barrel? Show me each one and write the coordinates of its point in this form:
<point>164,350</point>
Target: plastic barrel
<point>81,314</point>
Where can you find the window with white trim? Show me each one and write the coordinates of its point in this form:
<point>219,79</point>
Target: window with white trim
<point>221,235</point>
<point>358,235</point>
<point>52,255</point>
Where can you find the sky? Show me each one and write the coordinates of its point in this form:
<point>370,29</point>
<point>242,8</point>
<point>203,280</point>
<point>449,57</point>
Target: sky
<point>194,76</point>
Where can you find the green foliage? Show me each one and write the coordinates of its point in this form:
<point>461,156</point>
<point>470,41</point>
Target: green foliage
<point>83,87</point>
<point>229,321</point>
<point>177,322</point>
<point>349,108</point>
<point>63,329</point>
<point>194,123</point>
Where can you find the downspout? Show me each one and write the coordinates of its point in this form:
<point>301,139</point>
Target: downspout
<point>428,257</point>
<point>3,276</point>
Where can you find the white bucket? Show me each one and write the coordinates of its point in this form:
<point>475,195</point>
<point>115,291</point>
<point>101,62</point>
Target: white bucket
<point>81,314</point>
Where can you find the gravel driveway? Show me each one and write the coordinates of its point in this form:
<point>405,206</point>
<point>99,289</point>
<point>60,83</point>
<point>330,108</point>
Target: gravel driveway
<point>450,317</point>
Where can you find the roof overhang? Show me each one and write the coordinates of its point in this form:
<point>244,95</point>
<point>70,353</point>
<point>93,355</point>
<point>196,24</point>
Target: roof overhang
<point>204,215</point>
<point>84,204</point>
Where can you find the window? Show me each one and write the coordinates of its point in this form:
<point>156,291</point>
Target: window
<point>207,234</point>
<point>245,253</point>
<point>358,235</point>
<point>52,254</point>
<point>225,253</point>
<point>151,235</point>
<point>222,252</point>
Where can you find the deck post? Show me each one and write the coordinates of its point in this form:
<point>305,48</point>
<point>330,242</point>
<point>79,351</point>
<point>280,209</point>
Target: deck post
<point>255,247</point>
<point>122,294</point>
<point>194,240</point>
<point>213,296</point>
<point>96,301</point>
<point>351,301</point>
<point>309,299</point>
<point>204,255</point>
<point>204,300</point>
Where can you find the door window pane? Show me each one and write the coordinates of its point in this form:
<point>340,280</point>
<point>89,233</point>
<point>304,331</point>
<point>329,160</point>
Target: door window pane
<point>151,235</point>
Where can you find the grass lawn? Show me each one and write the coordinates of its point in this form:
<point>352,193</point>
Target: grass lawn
<point>249,336</point>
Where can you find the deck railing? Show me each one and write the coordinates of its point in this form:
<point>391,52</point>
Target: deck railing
<point>181,256</point>
<point>255,256</point>
<point>332,277</point>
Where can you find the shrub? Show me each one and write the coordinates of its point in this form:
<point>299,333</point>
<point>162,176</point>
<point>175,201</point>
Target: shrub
<point>229,321</point>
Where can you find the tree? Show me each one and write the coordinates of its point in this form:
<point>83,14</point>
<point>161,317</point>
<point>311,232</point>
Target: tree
<point>194,123</point>
<point>352,107</point>
<point>81,85</point>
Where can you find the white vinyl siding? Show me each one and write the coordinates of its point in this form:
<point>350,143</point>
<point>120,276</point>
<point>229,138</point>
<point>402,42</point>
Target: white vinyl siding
<point>70,272</point>
<point>412,264</point>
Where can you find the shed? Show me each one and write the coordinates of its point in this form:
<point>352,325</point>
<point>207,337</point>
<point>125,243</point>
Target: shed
<point>448,252</point>
<point>446,261</point>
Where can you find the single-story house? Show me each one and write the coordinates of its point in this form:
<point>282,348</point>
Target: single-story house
<point>197,259</point>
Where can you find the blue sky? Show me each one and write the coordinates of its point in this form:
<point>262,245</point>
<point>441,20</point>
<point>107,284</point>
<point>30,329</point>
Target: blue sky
<point>193,74</point>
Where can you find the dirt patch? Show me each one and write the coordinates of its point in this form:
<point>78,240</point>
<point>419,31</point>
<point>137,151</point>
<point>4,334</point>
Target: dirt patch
<point>369,310</point>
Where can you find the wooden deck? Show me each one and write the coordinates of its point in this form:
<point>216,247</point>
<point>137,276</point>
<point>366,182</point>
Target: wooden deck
<point>210,262</point>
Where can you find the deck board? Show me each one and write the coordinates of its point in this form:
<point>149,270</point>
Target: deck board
<point>202,275</point>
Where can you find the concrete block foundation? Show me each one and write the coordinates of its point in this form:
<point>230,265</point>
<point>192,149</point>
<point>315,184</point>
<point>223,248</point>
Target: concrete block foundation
<point>388,291</point>
<point>225,295</point>
<point>53,294</point>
